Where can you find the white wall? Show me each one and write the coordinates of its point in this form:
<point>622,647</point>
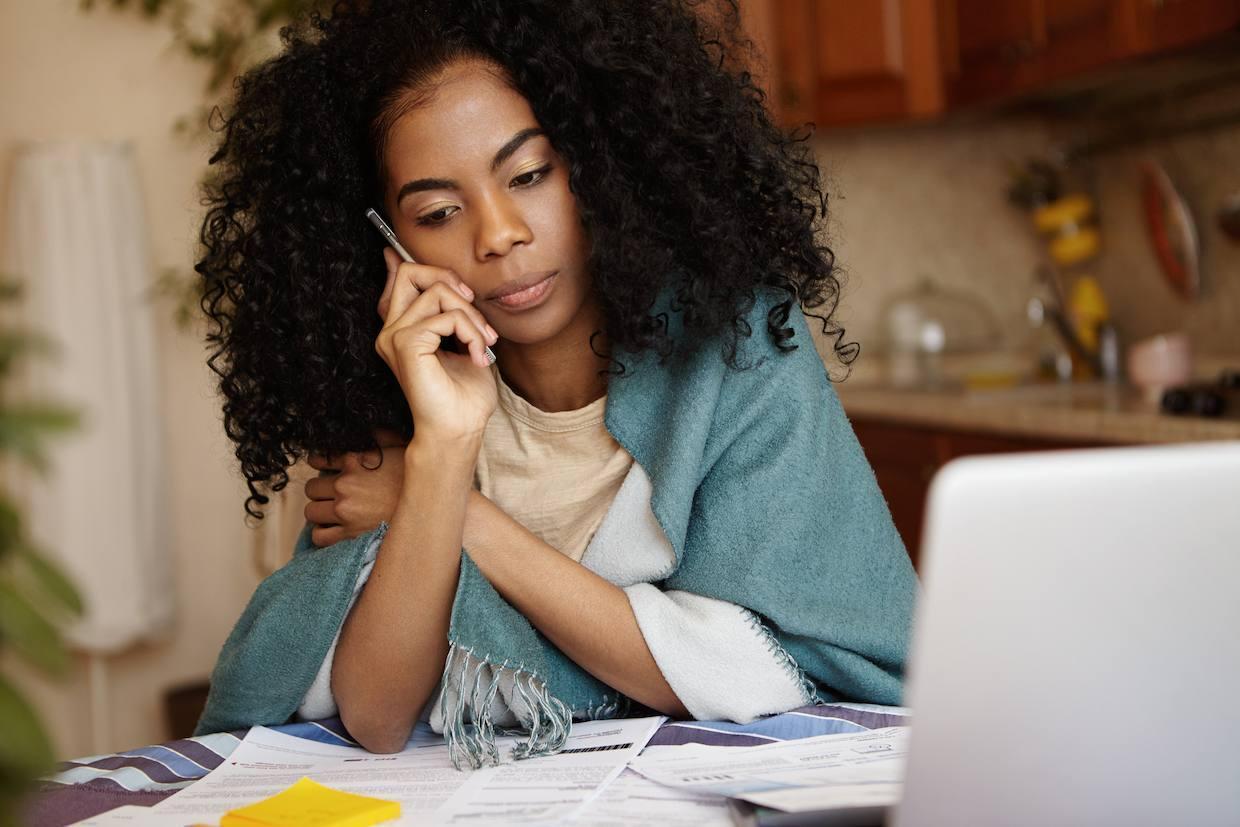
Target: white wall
<point>69,74</point>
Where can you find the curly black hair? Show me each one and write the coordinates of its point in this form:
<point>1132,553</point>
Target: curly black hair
<point>681,177</point>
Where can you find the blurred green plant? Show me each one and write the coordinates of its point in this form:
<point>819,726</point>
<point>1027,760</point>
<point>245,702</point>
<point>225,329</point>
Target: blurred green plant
<point>182,289</point>
<point>230,39</point>
<point>35,596</point>
<point>230,36</point>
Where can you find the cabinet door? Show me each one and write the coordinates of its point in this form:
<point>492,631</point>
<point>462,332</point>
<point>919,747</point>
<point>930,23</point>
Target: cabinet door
<point>1079,35</point>
<point>995,48</point>
<point>839,62</point>
<point>792,59</point>
<point>905,459</point>
<point>843,61</point>
<point>1156,25</point>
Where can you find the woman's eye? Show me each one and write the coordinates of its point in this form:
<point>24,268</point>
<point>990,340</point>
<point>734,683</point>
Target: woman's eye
<point>437,217</point>
<point>526,179</point>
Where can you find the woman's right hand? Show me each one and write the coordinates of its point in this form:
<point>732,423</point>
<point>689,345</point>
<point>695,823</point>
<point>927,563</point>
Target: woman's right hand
<point>451,396</point>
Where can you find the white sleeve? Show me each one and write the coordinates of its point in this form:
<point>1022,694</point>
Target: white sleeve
<point>719,659</point>
<point>319,701</point>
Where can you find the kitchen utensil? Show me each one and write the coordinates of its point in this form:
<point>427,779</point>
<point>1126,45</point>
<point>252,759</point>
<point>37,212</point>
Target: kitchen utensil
<point>1171,229</point>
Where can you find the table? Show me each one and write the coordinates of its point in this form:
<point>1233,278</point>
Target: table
<point>145,776</point>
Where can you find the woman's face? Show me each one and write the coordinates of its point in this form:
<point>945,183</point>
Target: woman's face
<point>473,186</point>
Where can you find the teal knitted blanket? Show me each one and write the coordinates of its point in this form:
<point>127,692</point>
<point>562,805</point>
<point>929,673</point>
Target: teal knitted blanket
<point>761,489</point>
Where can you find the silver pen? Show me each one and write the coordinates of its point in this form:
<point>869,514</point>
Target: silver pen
<point>390,236</point>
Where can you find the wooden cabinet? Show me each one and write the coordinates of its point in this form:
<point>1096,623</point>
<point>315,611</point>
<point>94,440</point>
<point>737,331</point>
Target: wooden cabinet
<point>843,61</point>
<point>1157,25</point>
<point>905,458</point>
<point>836,62</point>
<point>992,49</point>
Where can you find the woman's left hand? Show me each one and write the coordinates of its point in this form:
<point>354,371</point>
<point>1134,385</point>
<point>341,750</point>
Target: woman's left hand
<point>355,492</point>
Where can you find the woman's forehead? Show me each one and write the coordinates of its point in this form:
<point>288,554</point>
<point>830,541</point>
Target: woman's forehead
<point>464,119</point>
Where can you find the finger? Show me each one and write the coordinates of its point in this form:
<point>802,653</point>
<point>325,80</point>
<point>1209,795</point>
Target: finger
<point>323,462</point>
<point>392,260</point>
<point>439,298</point>
<point>412,279</point>
<point>453,322</point>
<point>324,536</point>
<point>425,275</point>
<point>355,461</point>
<point>321,512</point>
<point>371,459</point>
<point>402,294</point>
<point>321,488</point>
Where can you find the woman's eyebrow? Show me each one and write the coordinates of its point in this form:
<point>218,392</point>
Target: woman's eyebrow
<point>505,152</point>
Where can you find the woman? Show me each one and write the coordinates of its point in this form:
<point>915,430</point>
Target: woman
<point>653,496</point>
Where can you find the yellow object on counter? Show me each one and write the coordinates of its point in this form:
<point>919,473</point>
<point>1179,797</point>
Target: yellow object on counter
<point>1087,307</point>
<point>1075,247</point>
<point>310,804</point>
<point>1067,211</point>
<point>1070,221</point>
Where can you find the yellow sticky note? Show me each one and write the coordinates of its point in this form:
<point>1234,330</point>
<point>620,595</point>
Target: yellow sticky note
<point>309,804</point>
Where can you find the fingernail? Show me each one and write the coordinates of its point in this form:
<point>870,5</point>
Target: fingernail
<point>494,335</point>
<point>466,292</point>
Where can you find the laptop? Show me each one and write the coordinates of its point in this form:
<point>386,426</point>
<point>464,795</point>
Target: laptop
<point>1076,655</point>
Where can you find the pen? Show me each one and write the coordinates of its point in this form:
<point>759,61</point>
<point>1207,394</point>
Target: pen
<point>390,236</point>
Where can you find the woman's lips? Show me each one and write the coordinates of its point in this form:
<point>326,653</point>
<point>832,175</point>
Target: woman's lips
<point>530,296</point>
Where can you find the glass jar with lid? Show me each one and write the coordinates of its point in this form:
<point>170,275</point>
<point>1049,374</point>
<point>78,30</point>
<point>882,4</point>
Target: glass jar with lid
<point>924,326</point>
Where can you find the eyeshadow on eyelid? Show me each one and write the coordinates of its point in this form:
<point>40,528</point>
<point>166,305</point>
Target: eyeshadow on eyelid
<point>543,166</point>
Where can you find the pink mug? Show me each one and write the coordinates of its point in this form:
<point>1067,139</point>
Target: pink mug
<point>1160,362</point>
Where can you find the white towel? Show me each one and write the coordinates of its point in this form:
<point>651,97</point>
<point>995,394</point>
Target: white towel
<point>77,239</point>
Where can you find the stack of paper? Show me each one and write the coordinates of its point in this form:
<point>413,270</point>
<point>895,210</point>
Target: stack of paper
<point>585,784</point>
<point>421,779</point>
<point>853,770</point>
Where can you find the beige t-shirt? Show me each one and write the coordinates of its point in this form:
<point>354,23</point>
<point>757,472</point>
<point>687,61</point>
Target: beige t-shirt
<point>555,473</point>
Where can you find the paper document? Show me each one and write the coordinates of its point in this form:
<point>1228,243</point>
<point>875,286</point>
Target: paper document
<point>632,800</point>
<point>430,790</point>
<point>131,815</point>
<point>856,769</point>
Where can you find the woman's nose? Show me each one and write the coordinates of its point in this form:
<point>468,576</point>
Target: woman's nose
<point>501,227</point>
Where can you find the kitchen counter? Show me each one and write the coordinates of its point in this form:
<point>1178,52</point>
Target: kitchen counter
<point>1088,413</point>
<point>908,435</point>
